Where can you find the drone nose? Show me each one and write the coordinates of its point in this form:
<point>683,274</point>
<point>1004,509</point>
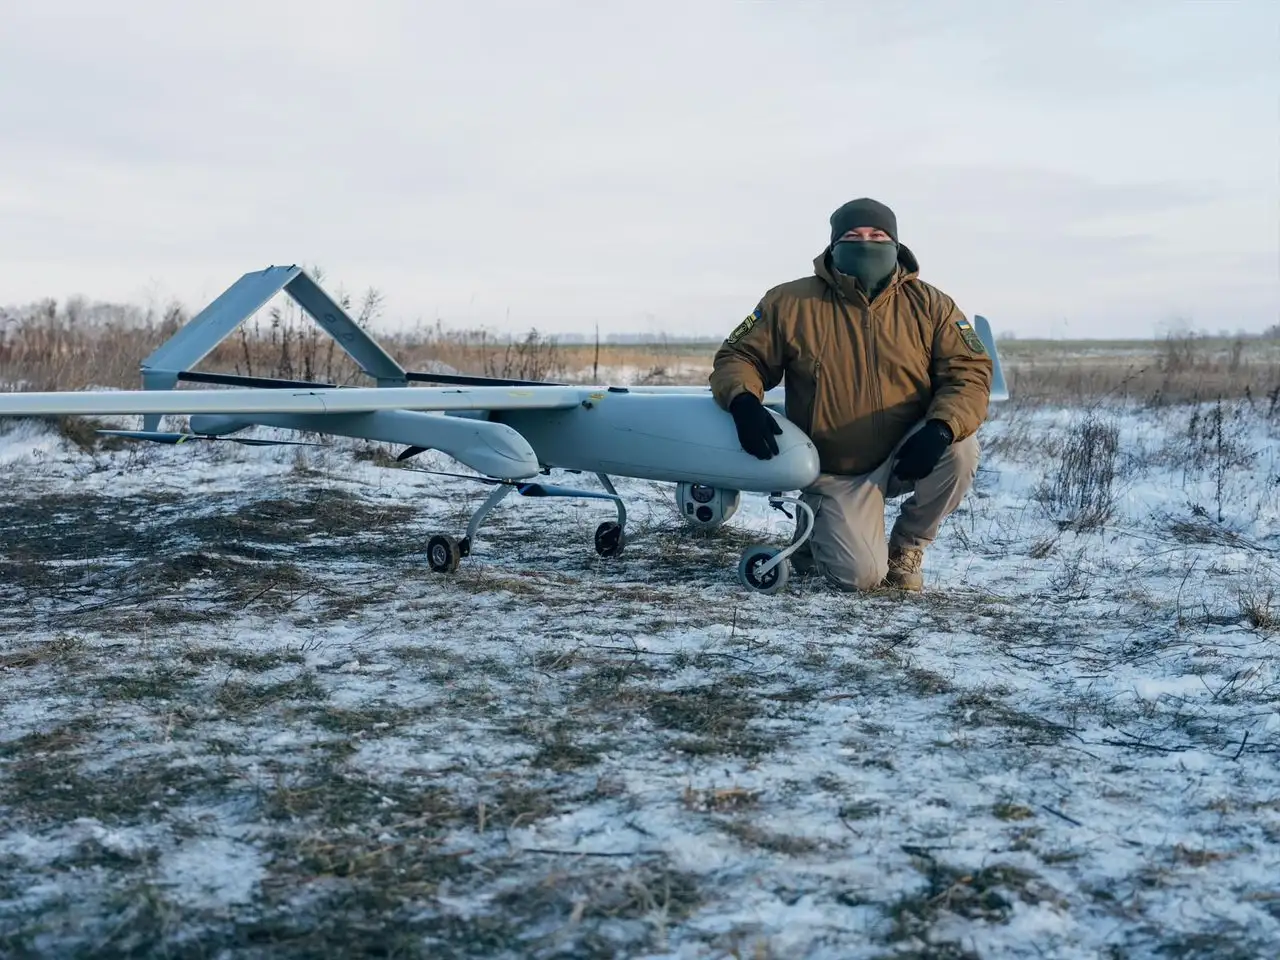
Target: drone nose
<point>796,465</point>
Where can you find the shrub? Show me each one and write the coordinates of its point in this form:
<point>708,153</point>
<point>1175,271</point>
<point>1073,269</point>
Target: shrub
<point>1082,493</point>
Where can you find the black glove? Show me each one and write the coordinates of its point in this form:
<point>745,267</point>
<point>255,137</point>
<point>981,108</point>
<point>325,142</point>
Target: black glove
<point>922,451</point>
<point>756,426</point>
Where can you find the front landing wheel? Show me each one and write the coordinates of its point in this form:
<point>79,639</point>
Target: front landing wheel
<point>610,539</point>
<point>444,553</point>
<point>770,582</point>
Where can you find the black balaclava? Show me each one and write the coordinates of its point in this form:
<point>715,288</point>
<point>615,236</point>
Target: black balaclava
<point>871,262</point>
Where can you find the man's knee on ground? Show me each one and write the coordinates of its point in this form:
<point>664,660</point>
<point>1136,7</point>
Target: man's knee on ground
<point>853,578</point>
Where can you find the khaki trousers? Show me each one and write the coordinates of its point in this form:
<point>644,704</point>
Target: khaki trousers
<point>848,543</point>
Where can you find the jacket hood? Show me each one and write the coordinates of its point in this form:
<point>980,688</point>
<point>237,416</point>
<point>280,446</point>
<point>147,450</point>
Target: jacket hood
<point>908,267</point>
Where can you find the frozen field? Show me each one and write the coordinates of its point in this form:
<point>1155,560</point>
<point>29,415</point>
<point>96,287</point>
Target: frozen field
<point>239,717</point>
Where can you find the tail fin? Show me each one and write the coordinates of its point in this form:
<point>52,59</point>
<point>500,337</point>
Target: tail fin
<point>999,387</point>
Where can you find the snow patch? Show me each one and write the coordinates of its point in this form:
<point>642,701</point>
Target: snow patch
<point>211,873</point>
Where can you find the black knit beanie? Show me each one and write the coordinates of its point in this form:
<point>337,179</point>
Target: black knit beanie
<point>864,212</point>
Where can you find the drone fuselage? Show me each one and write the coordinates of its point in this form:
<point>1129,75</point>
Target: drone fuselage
<point>666,437</point>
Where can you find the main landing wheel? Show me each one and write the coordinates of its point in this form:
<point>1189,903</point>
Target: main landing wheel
<point>444,553</point>
<point>610,539</point>
<point>770,582</point>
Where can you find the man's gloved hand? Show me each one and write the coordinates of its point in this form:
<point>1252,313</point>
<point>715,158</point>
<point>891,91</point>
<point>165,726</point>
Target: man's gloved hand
<point>756,426</point>
<point>922,451</point>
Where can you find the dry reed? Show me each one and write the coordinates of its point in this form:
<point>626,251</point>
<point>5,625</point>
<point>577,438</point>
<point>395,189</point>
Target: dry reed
<point>76,345</point>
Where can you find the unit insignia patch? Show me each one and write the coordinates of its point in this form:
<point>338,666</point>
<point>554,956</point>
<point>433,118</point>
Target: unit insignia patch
<point>742,329</point>
<point>970,336</point>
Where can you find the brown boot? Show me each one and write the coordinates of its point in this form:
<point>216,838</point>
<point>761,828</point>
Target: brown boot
<point>905,569</point>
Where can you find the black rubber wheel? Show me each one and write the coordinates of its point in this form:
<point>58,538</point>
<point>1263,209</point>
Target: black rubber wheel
<point>755,558</point>
<point>610,539</point>
<point>443,553</point>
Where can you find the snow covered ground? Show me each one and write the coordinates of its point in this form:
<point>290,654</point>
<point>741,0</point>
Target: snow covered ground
<point>240,717</point>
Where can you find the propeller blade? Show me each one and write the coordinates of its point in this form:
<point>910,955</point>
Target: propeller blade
<point>551,490</point>
<point>160,436</point>
<point>253,442</point>
<point>525,488</point>
<point>410,452</point>
<point>462,476</point>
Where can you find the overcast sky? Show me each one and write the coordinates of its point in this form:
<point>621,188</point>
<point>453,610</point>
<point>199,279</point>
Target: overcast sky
<point>1064,168</point>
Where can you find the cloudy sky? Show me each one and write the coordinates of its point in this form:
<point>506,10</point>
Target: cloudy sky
<point>1065,168</point>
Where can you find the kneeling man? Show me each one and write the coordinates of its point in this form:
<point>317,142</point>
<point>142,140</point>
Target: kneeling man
<point>886,376</point>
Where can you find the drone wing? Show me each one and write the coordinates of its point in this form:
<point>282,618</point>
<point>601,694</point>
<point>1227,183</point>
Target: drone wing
<point>253,401</point>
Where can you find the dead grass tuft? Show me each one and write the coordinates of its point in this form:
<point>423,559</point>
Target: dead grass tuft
<point>240,659</point>
<point>753,835</point>
<point>44,743</point>
<point>927,682</point>
<point>83,433</point>
<point>1226,943</point>
<point>372,720</point>
<point>720,799</point>
<point>66,650</point>
<point>1194,857</point>
<point>515,804</point>
<point>987,895</point>
<point>1082,493</point>
<point>860,810</point>
<point>981,708</point>
<point>163,682</point>
<point>1005,810</point>
<point>561,751</point>
<point>55,785</point>
<point>1193,530</point>
<point>719,718</point>
<point>1259,604</point>
<point>243,698</point>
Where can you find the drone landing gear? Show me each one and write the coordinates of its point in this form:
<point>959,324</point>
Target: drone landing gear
<point>611,535</point>
<point>445,553</point>
<point>767,569</point>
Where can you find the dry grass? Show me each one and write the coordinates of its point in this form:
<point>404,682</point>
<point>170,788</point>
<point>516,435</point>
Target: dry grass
<point>1259,600</point>
<point>75,345</point>
<point>987,895</point>
<point>1180,368</point>
<point>1082,492</point>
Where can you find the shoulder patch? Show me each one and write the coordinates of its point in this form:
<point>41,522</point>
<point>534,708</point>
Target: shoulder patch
<point>742,329</point>
<point>970,336</point>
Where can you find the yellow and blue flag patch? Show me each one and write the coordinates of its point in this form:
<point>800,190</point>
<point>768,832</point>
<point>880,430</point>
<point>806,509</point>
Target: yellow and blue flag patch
<point>970,336</point>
